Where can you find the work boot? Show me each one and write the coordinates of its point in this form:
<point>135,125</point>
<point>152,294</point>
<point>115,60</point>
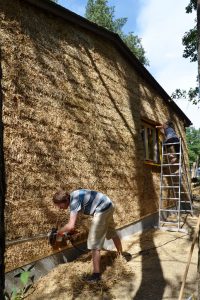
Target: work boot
<point>94,278</point>
<point>127,256</point>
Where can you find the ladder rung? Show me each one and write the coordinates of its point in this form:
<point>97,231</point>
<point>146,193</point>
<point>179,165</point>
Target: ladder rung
<point>180,192</point>
<point>165,144</point>
<point>170,186</point>
<point>177,229</point>
<point>177,153</point>
<point>168,222</point>
<point>182,201</point>
<point>169,198</point>
<point>171,210</point>
<point>171,175</point>
<point>164,165</point>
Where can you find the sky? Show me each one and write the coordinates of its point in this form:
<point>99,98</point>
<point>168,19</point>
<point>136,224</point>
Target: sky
<point>161,26</point>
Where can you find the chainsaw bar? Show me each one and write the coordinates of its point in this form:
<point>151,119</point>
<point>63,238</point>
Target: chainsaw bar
<point>50,235</point>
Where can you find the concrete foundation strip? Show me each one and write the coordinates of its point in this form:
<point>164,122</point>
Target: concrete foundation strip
<point>189,259</point>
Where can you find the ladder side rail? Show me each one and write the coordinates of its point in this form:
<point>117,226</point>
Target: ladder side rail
<point>180,180</point>
<point>170,172</point>
<point>161,183</point>
<point>187,183</point>
<point>179,186</point>
<point>172,187</point>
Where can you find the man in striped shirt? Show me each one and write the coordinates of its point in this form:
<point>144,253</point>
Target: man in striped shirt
<point>99,206</point>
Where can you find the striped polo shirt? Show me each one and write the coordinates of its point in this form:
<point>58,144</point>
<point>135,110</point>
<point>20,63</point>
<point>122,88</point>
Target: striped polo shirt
<point>88,202</point>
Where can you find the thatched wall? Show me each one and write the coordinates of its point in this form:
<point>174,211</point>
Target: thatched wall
<point>72,113</point>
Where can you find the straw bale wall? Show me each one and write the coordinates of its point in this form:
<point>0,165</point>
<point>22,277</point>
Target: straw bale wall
<point>73,107</point>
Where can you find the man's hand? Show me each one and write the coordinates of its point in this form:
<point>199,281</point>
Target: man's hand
<point>70,226</point>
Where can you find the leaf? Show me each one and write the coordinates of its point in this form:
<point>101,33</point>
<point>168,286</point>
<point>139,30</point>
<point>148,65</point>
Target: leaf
<point>25,277</point>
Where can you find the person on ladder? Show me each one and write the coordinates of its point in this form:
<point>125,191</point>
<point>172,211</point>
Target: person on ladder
<point>170,137</point>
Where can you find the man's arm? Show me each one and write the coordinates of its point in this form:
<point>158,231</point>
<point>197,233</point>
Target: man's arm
<point>161,128</point>
<point>70,225</point>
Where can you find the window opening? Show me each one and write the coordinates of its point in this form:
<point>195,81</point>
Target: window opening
<point>151,141</point>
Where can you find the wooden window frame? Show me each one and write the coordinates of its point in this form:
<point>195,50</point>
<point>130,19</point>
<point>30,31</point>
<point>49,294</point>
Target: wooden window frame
<point>146,127</point>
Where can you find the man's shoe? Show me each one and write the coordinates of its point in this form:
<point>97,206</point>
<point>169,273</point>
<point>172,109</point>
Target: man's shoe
<point>127,256</point>
<point>94,278</point>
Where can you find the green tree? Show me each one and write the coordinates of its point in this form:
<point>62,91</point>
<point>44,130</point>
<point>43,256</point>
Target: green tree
<point>190,43</point>
<point>99,12</point>
<point>193,142</point>
<point>190,38</point>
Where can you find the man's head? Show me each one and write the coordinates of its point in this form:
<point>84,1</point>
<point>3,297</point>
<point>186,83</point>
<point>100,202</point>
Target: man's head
<point>61,199</point>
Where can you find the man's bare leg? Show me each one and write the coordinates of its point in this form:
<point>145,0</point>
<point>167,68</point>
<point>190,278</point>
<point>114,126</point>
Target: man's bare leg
<point>118,244</point>
<point>96,257</point>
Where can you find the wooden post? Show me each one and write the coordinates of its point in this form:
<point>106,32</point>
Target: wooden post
<point>189,259</point>
<point>198,41</point>
<point>2,196</point>
<point>198,47</point>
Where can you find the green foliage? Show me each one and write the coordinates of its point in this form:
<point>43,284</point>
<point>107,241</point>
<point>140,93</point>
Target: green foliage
<point>193,143</point>
<point>134,44</point>
<point>191,6</point>
<point>192,95</point>
<point>190,43</point>
<point>25,283</point>
<point>99,12</point>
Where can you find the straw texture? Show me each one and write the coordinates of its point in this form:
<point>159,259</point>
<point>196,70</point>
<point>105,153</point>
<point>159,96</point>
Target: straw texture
<point>73,108</point>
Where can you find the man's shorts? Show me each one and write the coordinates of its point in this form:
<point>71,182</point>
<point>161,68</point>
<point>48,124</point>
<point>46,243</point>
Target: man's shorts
<point>102,227</point>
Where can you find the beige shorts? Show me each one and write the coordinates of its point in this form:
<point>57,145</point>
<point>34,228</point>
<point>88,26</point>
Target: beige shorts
<point>102,227</point>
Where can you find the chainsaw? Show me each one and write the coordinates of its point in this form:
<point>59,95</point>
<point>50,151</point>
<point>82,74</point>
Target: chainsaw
<point>57,240</point>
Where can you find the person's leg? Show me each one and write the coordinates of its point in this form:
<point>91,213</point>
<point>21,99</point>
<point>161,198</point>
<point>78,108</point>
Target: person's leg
<point>112,234</point>
<point>96,275</point>
<point>95,242</point>
<point>96,257</point>
<point>173,149</point>
<point>172,156</point>
<point>118,244</point>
